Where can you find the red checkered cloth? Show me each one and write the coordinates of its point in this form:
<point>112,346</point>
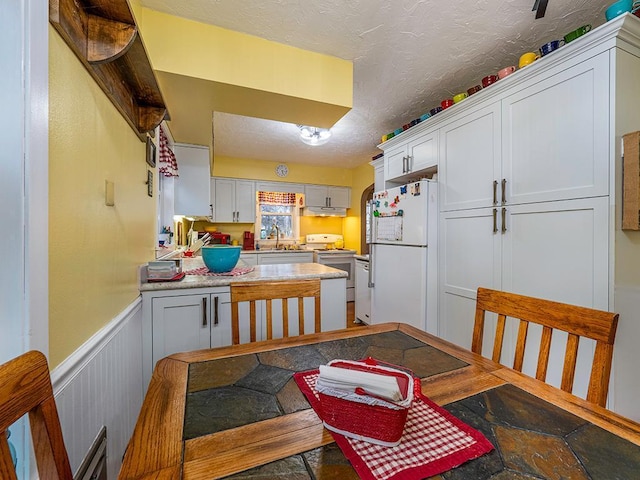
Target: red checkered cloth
<point>233,273</point>
<point>433,441</point>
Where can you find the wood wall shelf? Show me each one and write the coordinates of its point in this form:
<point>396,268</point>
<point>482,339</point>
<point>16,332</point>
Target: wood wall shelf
<point>105,38</point>
<point>631,182</point>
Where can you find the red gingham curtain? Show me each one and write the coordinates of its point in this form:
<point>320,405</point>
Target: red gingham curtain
<point>276,198</point>
<point>166,158</point>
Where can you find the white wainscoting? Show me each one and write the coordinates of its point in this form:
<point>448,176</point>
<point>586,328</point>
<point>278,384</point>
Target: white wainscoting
<point>101,384</point>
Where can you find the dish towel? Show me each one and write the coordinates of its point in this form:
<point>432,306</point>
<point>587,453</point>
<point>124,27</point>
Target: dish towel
<point>433,442</point>
<point>233,273</point>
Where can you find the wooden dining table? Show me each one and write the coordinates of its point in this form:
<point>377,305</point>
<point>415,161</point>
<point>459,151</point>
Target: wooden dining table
<point>236,412</point>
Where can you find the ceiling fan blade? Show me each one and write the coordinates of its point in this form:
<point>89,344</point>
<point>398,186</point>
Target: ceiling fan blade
<point>541,8</point>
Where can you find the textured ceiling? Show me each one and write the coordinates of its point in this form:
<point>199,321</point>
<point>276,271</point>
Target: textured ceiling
<point>407,56</point>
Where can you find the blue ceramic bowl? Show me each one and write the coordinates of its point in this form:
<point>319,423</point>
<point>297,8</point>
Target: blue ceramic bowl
<point>220,258</point>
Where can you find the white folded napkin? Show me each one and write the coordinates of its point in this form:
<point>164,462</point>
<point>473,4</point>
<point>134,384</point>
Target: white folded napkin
<point>348,380</point>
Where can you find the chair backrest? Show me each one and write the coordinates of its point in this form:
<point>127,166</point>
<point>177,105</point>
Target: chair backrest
<point>576,321</point>
<point>269,291</point>
<point>25,387</point>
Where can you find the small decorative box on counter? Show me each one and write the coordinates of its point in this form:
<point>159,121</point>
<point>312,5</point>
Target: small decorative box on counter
<point>164,269</point>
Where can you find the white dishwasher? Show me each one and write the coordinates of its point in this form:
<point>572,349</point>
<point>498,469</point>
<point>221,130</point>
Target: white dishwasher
<point>363,292</point>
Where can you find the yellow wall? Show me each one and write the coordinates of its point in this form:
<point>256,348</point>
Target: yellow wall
<point>358,179</point>
<point>362,177</point>
<point>94,250</point>
<point>264,170</point>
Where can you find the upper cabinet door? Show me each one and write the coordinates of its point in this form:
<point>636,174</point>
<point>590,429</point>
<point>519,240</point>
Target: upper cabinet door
<point>225,202</point>
<point>192,196</point>
<point>423,152</point>
<point>339,197</point>
<point>556,135</point>
<point>470,160</point>
<point>316,196</point>
<point>245,201</point>
<point>395,162</point>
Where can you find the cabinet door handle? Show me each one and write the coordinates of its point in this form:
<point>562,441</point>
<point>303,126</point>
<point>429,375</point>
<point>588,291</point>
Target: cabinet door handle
<point>215,310</point>
<point>495,220</point>
<point>204,311</point>
<point>495,192</point>
<point>504,220</point>
<point>329,201</point>
<point>409,163</point>
<point>504,191</point>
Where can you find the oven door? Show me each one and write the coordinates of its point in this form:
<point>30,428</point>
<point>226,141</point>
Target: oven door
<point>341,262</point>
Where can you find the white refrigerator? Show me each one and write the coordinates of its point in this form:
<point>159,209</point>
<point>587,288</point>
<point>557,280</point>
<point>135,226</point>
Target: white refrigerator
<point>403,255</point>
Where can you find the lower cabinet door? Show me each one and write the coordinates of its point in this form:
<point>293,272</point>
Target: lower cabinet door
<point>180,324</point>
<point>469,257</point>
<point>220,320</point>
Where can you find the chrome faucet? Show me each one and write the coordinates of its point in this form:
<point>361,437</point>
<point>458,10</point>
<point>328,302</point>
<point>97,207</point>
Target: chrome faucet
<point>275,227</point>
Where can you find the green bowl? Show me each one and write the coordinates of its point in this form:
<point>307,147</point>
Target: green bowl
<point>221,258</point>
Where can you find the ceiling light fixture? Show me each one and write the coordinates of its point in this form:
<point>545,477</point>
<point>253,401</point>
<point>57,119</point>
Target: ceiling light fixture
<point>314,135</point>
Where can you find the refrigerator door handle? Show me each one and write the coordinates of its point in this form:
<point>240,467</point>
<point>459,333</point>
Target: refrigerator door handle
<point>372,234</point>
<point>370,282</point>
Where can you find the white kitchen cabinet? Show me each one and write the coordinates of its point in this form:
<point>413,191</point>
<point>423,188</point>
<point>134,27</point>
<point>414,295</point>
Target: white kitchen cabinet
<point>258,258</point>
<point>327,196</point>
<point>470,160</point>
<point>555,135</point>
<point>281,258</point>
<point>379,180</point>
<point>189,321</point>
<point>363,292</point>
<point>234,200</point>
<point>554,250</point>
<point>192,187</point>
<point>414,156</point>
<point>283,187</point>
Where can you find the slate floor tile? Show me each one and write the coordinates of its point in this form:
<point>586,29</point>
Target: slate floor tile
<point>220,373</point>
<point>297,359</point>
<point>511,406</point>
<point>265,378</point>
<point>605,455</point>
<point>538,454</point>
<point>219,409</point>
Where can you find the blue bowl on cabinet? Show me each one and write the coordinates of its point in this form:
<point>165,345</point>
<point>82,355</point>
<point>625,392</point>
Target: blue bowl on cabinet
<point>220,258</point>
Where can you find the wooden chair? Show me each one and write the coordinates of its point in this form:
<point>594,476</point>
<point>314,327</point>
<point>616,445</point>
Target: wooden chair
<point>269,291</point>
<point>576,321</point>
<point>25,387</point>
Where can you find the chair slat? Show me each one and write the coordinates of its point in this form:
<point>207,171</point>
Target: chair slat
<point>577,321</point>
<point>543,356</point>
<point>521,343</point>
<point>285,317</point>
<point>570,358</point>
<point>499,340</point>
<point>269,319</point>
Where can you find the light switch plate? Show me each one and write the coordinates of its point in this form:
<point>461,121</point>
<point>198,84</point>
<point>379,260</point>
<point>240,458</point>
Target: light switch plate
<point>109,193</point>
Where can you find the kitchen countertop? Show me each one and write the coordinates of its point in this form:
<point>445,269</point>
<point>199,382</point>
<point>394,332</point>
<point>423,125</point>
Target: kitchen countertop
<point>261,273</point>
<point>267,250</point>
